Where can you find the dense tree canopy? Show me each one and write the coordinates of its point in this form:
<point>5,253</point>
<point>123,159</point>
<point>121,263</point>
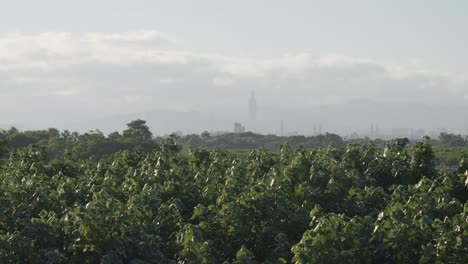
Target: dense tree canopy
<point>138,130</point>
<point>452,140</point>
<point>353,204</point>
<point>137,134</point>
<point>3,144</point>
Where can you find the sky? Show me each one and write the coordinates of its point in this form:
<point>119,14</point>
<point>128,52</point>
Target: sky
<point>74,60</point>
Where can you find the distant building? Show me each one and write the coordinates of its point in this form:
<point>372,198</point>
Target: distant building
<point>292,134</point>
<point>417,133</point>
<point>218,133</point>
<point>441,130</point>
<point>374,131</point>
<point>282,128</point>
<point>252,111</point>
<point>436,133</point>
<point>400,132</point>
<point>239,128</point>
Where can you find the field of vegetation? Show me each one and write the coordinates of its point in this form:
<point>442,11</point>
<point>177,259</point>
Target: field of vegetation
<point>448,148</point>
<point>449,155</point>
<point>346,204</point>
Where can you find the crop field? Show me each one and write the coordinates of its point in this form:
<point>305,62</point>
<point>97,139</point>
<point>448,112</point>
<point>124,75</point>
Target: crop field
<point>353,204</point>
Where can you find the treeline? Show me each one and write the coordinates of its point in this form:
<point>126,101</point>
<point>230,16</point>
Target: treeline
<point>249,140</point>
<point>90,144</point>
<point>138,135</point>
<point>451,140</point>
<point>96,144</point>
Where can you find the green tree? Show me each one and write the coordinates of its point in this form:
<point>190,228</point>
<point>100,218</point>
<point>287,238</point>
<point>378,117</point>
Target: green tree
<point>138,130</point>
<point>451,140</point>
<point>205,135</point>
<point>114,136</point>
<point>3,143</point>
<point>423,160</point>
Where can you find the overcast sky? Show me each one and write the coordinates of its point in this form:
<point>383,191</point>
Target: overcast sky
<point>76,59</point>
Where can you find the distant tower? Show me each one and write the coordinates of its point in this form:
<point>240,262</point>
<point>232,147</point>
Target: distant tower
<point>282,128</point>
<point>239,128</point>
<point>252,107</point>
<point>377,130</point>
<point>372,130</point>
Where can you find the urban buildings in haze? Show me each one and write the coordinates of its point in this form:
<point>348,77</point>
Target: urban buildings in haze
<point>239,128</point>
<point>252,111</point>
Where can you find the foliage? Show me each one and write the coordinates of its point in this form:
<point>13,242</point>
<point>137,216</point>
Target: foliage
<point>138,130</point>
<point>96,144</point>
<point>3,144</point>
<point>452,140</point>
<point>449,155</point>
<point>355,204</point>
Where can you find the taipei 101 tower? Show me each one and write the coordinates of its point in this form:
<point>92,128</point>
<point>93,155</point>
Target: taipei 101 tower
<point>252,110</point>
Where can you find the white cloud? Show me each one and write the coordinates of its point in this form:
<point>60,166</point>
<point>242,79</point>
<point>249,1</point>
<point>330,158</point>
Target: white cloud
<point>142,36</point>
<point>145,70</point>
<point>167,81</point>
<point>222,81</point>
<point>51,50</point>
<point>66,92</point>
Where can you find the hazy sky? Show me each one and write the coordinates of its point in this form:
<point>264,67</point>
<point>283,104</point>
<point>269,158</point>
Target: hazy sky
<point>76,59</point>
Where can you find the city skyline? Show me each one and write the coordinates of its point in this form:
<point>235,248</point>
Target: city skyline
<point>303,60</point>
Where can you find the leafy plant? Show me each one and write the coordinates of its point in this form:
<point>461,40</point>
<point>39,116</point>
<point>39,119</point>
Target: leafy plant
<point>338,204</point>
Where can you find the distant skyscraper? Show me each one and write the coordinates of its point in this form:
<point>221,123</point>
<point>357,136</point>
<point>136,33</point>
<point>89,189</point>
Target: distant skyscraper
<point>252,107</point>
<point>239,128</point>
<point>282,128</point>
<point>417,133</point>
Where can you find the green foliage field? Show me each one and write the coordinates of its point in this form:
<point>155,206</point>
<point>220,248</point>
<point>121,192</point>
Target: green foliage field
<point>449,155</point>
<point>353,204</point>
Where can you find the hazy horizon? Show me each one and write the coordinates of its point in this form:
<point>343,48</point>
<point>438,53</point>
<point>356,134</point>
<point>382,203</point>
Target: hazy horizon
<point>78,65</point>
